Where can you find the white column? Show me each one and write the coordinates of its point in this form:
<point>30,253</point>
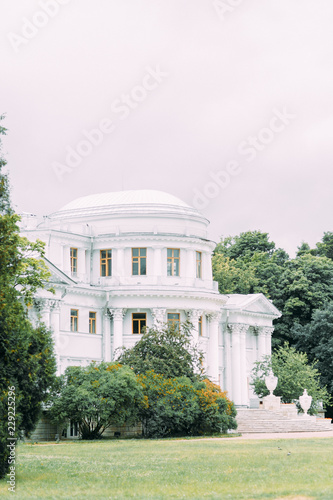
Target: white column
<point>228,363</point>
<point>238,369</point>
<point>207,273</point>
<point>261,343</point>
<point>118,315</point>
<point>158,314</point>
<point>190,264</point>
<point>160,268</point>
<point>67,260</point>
<point>81,264</point>
<point>55,326</point>
<point>193,317</point>
<point>244,383</point>
<point>43,309</point>
<point>106,354</point>
<point>268,331</point>
<point>213,346</point>
<point>118,268</point>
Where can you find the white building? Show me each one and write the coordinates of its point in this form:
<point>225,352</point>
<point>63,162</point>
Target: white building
<point>121,261</point>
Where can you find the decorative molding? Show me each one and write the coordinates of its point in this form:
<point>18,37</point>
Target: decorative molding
<point>158,314</point>
<point>214,316</point>
<point>55,305</point>
<point>194,315</point>
<point>238,328</point>
<point>118,314</point>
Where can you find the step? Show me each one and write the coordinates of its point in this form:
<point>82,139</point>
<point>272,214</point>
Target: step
<point>283,420</point>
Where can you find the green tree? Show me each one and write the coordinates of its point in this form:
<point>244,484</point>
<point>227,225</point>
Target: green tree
<point>168,351</point>
<point>97,397</point>
<point>305,285</point>
<point>26,353</point>
<point>248,263</point>
<point>294,374</point>
<point>316,339</point>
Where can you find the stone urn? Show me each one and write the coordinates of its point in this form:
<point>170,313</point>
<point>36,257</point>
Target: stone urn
<point>271,382</point>
<point>305,401</point>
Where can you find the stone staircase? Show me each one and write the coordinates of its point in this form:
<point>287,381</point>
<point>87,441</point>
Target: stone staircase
<point>285,419</point>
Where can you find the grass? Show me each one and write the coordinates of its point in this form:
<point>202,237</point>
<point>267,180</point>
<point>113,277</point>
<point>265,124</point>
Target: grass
<point>170,469</point>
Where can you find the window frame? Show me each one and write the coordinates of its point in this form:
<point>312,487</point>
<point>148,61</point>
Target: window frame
<point>140,260</point>
<point>140,320</point>
<point>173,260</point>
<point>173,321</point>
<point>198,264</point>
<point>73,260</point>
<point>105,261</point>
<point>200,326</point>
<point>92,322</point>
<point>73,318</point>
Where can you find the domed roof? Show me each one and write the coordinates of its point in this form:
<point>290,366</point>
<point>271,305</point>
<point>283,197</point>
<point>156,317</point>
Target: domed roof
<point>129,204</point>
<point>142,197</point>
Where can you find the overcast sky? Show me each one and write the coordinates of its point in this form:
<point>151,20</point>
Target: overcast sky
<point>227,105</point>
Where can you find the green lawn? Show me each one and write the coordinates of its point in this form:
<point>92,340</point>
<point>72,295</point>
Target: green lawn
<point>189,468</point>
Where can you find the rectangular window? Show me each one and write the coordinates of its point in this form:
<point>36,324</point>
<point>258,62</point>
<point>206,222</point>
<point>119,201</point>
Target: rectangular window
<point>200,326</point>
<point>73,429</point>
<point>74,320</point>
<point>173,261</point>
<point>106,262</point>
<point>139,322</point>
<point>92,322</point>
<point>174,320</point>
<point>199,264</point>
<point>73,261</point>
<point>139,261</point>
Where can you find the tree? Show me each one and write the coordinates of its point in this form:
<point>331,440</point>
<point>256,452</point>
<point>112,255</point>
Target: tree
<point>305,285</point>
<point>167,351</point>
<point>96,397</point>
<point>27,361</point>
<point>294,374</point>
<point>316,339</point>
<point>180,406</point>
<point>248,263</point>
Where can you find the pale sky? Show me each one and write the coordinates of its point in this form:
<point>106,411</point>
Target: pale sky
<point>184,91</point>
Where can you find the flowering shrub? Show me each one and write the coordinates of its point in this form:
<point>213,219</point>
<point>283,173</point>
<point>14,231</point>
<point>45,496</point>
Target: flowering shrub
<point>178,406</point>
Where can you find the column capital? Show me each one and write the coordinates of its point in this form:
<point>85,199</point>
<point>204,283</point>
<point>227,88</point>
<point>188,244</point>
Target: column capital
<point>54,304</point>
<point>107,312</point>
<point>214,316</point>
<point>194,315</point>
<point>158,314</point>
<point>41,305</point>
<point>118,314</point>
<point>238,328</point>
<point>266,330</point>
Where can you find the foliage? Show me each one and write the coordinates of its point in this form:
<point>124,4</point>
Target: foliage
<point>167,351</point>
<point>26,353</point>
<point>316,339</point>
<point>251,263</point>
<point>248,263</point>
<point>178,406</point>
<point>294,374</point>
<point>96,397</point>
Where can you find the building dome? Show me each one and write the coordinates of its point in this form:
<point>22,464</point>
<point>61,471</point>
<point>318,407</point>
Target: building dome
<point>135,211</point>
<point>123,198</point>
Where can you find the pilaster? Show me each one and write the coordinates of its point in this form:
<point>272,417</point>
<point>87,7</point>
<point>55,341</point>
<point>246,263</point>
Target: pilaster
<point>158,314</point>
<point>238,355</point>
<point>213,346</point>
<point>118,316</point>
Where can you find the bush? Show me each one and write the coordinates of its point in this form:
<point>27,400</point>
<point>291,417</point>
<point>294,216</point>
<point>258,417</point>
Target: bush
<point>96,397</point>
<point>178,406</point>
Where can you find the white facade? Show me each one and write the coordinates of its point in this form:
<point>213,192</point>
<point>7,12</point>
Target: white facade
<point>118,259</point>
